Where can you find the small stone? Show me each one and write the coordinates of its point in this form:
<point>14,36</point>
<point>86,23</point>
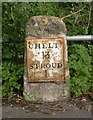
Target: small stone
<point>17,108</point>
<point>11,105</point>
<point>23,108</point>
<point>37,106</point>
<point>64,110</point>
<point>88,107</point>
<point>84,99</point>
<point>53,113</point>
<point>17,101</point>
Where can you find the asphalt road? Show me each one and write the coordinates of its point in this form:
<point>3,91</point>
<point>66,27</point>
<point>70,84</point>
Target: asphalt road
<point>68,111</point>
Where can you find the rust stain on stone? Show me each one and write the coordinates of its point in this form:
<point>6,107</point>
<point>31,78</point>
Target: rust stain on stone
<point>46,59</point>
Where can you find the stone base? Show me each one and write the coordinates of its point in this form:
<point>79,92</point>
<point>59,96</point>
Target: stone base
<point>46,92</point>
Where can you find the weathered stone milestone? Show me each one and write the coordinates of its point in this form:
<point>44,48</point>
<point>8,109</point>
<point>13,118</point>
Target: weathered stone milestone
<point>45,61</point>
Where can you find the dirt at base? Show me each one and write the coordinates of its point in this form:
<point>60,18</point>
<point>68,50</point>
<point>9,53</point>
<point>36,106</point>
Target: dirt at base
<point>82,102</point>
<point>17,107</point>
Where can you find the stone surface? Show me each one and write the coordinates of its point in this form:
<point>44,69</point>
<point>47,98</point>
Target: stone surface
<point>45,27</point>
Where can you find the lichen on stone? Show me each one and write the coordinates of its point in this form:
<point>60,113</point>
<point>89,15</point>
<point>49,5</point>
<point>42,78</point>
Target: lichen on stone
<point>45,26</point>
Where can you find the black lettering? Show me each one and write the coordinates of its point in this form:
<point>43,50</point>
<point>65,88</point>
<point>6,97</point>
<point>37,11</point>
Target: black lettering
<point>48,65</point>
<point>37,46</point>
<point>59,65</point>
<point>44,45</point>
<point>45,55</point>
<point>31,46</point>
<point>45,73</point>
<point>31,66</point>
<point>42,65</point>
<point>36,66</point>
<point>50,46</point>
<point>56,45</point>
<point>54,65</point>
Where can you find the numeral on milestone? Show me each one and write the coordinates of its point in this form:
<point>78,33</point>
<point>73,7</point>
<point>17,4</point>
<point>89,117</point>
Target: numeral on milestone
<point>46,55</point>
